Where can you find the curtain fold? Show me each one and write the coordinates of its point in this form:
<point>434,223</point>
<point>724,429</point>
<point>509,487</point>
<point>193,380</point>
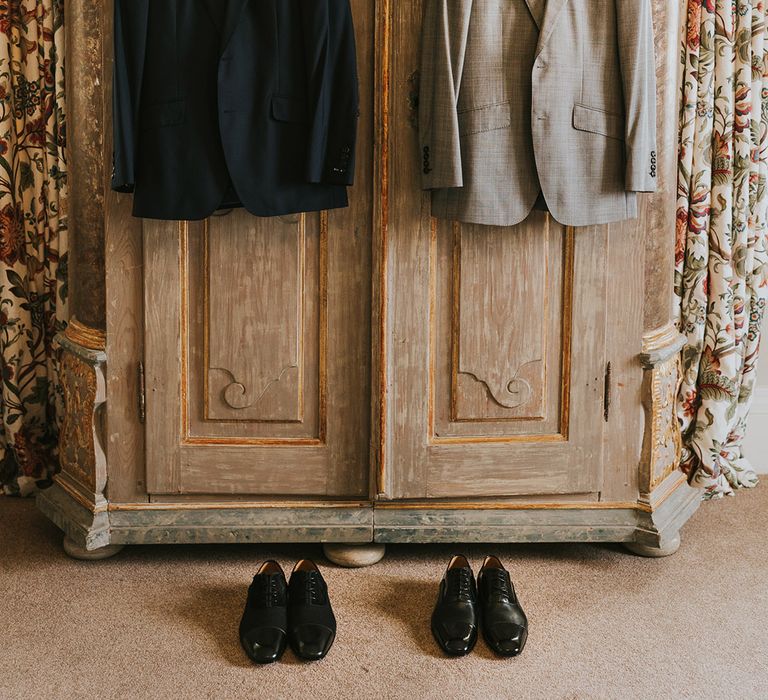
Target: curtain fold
<point>721,255</point>
<point>33,239</point>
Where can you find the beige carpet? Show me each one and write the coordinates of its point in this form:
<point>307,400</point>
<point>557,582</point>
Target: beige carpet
<point>160,622</point>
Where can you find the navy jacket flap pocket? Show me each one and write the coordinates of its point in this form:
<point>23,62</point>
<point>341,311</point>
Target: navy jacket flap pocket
<point>598,121</point>
<point>487,118</point>
<point>163,113</point>
<point>289,109</point>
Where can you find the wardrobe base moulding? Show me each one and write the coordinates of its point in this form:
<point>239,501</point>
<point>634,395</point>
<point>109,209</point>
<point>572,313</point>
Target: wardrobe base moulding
<point>356,537</point>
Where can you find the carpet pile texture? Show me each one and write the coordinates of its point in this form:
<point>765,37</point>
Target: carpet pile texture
<point>161,622</point>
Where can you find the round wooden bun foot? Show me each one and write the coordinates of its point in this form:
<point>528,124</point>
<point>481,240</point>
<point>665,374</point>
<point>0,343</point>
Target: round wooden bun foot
<point>77,551</point>
<point>354,556</point>
<point>669,548</point>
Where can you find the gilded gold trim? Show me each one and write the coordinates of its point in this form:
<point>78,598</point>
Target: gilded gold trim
<point>450,505</point>
<point>657,502</point>
<point>477,440</point>
<point>569,270</point>
<point>382,146</point>
<point>661,338</point>
<point>77,443</point>
<point>258,442</point>
<point>240,505</point>
<point>85,336</point>
<point>184,301</point>
<point>666,440</point>
<point>661,346</point>
<point>79,497</point>
<point>235,505</point>
<point>431,399</point>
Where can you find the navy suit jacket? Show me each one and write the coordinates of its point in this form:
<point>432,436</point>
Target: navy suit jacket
<point>225,103</point>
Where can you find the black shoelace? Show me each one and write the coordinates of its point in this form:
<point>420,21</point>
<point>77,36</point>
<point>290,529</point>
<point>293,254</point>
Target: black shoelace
<point>267,591</point>
<point>459,585</point>
<point>499,583</point>
<point>314,593</point>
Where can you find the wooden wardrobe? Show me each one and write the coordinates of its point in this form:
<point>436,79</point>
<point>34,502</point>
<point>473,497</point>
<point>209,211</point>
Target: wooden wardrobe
<point>368,375</point>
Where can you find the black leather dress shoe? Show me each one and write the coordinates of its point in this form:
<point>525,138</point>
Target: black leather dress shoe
<point>505,626</point>
<point>454,620</point>
<point>264,625</point>
<point>311,623</point>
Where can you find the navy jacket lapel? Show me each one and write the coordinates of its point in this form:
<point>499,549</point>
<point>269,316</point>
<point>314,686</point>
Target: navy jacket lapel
<point>232,16</point>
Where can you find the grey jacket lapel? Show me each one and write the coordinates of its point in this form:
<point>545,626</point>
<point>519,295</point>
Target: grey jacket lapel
<point>537,8</point>
<point>551,13</point>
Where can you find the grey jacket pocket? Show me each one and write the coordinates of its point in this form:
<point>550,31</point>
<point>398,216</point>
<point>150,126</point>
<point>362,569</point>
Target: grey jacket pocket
<point>598,121</point>
<point>488,118</point>
<point>163,114</point>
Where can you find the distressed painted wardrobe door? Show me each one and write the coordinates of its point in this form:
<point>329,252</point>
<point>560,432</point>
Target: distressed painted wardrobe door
<point>257,355</point>
<point>494,344</point>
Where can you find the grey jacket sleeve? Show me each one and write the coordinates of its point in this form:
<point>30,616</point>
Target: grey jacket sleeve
<point>638,68</point>
<point>444,43</point>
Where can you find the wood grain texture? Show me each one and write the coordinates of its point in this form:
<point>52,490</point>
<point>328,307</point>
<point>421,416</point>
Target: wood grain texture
<point>567,458</point>
<point>86,45</point>
<point>484,326</point>
<point>660,209</point>
<point>261,371</point>
<point>164,261</point>
<point>260,324</point>
<point>507,328</point>
<point>229,526</point>
<point>450,304</point>
<point>501,291</point>
<point>256,332</point>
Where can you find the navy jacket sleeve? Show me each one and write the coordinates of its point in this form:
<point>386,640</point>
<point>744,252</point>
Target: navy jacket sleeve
<point>130,32</point>
<point>334,99</point>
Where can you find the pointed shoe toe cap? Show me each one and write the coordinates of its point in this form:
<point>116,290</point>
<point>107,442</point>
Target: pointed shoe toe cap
<point>312,642</point>
<point>506,639</point>
<point>263,645</point>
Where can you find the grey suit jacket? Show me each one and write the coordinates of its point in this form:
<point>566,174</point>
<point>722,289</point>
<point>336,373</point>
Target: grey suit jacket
<point>527,97</point>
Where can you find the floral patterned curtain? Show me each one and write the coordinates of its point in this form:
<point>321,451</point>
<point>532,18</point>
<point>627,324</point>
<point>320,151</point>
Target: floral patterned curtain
<point>33,238</point>
<point>722,239</point>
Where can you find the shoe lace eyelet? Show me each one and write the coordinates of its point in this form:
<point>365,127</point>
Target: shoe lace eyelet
<point>500,585</point>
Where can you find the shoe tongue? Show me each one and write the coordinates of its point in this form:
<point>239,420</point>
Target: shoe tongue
<point>306,575</point>
<point>459,573</point>
<point>495,575</point>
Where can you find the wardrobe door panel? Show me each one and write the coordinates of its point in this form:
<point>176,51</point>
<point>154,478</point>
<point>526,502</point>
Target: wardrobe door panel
<point>493,355</point>
<point>503,339</point>
<point>257,342</point>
